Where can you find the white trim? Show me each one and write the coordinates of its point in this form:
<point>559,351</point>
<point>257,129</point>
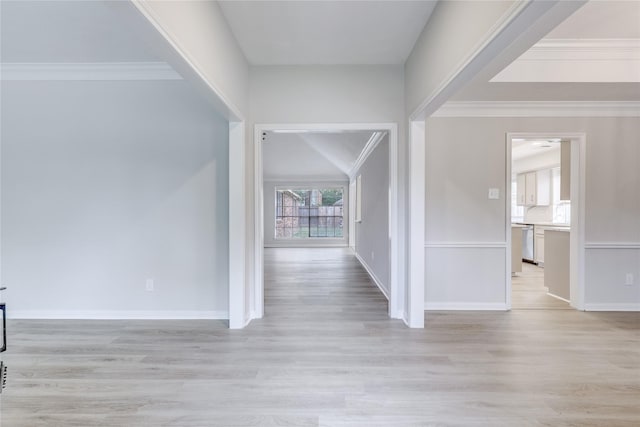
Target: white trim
<point>612,245</point>
<point>89,71</point>
<point>612,307</point>
<point>414,316</point>
<point>395,227</point>
<point>484,306</point>
<point>238,310</point>
<point>583,50</point>
<point>577,255</point>
<point>371,145</point>
<point>257,292</point>
<point>118,314</point>
<point>539,109</point>
<point>576,60</point>
<point>508,228</point>
<point>372,275</point>
<point>465,244</point>
<point>257,300</point>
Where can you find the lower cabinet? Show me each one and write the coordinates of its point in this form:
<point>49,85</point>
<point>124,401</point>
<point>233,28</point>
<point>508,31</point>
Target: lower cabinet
<point>538,246</point>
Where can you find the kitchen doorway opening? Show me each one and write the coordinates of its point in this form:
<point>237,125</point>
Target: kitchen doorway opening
<point>395,224</point>
<point>545,224</point>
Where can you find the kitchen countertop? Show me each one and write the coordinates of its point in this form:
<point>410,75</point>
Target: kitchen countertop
<point>541,224</point>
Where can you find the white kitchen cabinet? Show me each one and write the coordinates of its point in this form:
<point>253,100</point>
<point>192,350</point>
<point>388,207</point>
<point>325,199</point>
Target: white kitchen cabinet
<point>530,189</point>
<point>534,188</point>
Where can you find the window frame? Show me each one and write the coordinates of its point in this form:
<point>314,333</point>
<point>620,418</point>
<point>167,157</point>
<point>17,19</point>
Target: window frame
<point>310,187</point>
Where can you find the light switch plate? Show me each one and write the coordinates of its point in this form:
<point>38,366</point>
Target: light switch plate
<point>494,193</point>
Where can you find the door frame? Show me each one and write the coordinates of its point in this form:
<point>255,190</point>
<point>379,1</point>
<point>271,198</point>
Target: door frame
<point>578,190</point>
<point>396,305</point>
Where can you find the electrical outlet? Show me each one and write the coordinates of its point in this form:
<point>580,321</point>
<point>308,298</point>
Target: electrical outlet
<point>628,279</point>
<point>494,193</point>
<point>149,286</point>
<point>373,256</point>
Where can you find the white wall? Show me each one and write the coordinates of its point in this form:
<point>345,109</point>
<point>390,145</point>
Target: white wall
<point>106,184</point>
<point>327,94</point>
<point>372,233</point>
<point>466,156</point>
<point>270,220</point>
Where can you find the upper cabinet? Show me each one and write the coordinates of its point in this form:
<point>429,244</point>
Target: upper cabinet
<point>534,188</point>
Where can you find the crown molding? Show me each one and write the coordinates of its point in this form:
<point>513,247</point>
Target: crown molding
<point>576,60</point>
<point>583,50</point>
<point>539,109</point>
<point>88,71</point>
<point>366,152</point>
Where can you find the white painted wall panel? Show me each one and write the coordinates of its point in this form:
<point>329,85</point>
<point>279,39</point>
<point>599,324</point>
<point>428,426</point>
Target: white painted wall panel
<point>105,185</point>
<point>465,278</point>
<point>605,275</point>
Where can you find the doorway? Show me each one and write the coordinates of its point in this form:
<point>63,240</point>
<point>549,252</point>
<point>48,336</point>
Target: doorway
<point>545,226</point>
<point>257,290</point>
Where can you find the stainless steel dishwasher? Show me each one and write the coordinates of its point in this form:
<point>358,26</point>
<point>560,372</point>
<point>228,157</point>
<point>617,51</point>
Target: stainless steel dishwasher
<point>527,243</point>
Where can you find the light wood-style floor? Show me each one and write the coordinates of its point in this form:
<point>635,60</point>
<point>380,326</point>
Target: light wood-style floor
<point>327,355</point>
<point>529,293</point>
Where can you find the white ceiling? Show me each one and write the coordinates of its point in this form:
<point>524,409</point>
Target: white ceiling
<point>529,148</point>
<point>327,32</point>
<point>67,32</point>
<point>312,155</point>
<point>595,21</point>
<point>601,20</point>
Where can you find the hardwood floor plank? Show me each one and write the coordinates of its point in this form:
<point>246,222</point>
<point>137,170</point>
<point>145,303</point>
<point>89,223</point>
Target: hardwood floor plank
<point>326,354</point>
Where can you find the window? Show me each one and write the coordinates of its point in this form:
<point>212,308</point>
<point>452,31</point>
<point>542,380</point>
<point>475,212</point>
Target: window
<point>517,212</point>
<point>309,213</point>
<point>561,208</point>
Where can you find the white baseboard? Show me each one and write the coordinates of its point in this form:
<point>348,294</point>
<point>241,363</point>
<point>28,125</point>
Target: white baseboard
<point>469,306</point>
<point>405,318</point>
<point>372,275</point>
<point>612,307</point>
<point>117,315</point>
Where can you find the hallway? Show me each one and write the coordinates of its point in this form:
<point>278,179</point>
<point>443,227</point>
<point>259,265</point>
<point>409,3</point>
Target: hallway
<point>320,286</point>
